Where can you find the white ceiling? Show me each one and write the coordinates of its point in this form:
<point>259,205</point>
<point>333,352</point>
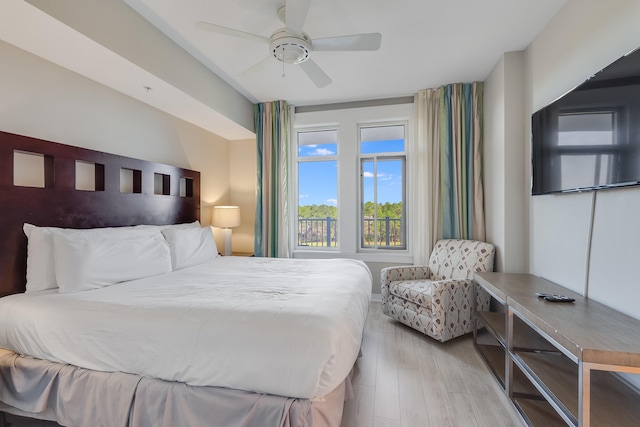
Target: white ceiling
<point>425,43</point>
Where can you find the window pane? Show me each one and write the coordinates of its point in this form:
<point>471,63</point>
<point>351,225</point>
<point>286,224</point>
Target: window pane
<point>382,139</point>
<point>318,143</point>
<point>383,207</point>
<point>318,203</point>
<point>368,181</point>
<point>392,146</point>
<point>382,133</point>
<point>317,150</point>
<point>390,180</point>
<point>368,204</point>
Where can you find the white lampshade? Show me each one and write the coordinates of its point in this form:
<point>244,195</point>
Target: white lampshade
<point>226,216</point>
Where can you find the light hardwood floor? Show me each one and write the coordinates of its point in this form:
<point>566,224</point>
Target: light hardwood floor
<point>406,379</point>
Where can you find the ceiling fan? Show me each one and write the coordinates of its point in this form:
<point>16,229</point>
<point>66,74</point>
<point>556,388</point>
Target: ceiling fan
<point>291,45</point>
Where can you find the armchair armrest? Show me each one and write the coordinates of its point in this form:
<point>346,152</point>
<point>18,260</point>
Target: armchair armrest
<point>407,272</point>
<point>452,306</point>
<point>394,274</point>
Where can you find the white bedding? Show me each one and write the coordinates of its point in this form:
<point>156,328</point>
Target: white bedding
<point>278,326</point>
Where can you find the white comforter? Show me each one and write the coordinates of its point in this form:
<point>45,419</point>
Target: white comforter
<point>278,326</point>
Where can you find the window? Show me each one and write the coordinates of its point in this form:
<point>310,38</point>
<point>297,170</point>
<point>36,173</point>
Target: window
<point>349,167</point>
<point>317,224</point>
<point>382,187</point>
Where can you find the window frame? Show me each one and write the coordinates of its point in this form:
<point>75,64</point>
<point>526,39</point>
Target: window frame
<point>297,159</point>
<point>388,156</point>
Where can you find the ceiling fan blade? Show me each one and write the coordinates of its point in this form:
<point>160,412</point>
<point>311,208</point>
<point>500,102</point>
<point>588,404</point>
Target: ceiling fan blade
<point>296,14</point>
<point>315,73</point>
<point>256,68</point>
<point>369,41</point>
<point>201,25</point>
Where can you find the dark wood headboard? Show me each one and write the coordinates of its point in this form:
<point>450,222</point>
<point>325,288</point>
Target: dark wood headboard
<point>59,204</point>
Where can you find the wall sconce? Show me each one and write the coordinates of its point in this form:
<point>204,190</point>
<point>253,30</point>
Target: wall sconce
<point>226,217</point>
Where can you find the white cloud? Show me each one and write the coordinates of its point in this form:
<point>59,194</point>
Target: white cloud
<point>302,196</point>
<point>381,176</point>
<point>323,152</point>
<point>333,202</point>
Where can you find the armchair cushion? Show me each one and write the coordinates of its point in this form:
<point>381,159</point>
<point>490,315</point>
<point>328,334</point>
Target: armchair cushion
<point>413,272</point>
<point>417,291</point>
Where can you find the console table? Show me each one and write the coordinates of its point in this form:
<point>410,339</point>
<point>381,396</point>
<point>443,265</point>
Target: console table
<point>559,363</point>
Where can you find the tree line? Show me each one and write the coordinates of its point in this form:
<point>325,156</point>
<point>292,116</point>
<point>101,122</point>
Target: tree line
<point>391,210</point>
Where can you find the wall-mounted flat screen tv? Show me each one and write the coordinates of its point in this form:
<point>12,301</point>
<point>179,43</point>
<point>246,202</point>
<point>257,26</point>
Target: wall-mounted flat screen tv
<point>590,138</point>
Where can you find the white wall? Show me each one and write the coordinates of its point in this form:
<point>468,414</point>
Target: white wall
<point>559,238</point>
<point>43,100</point>
<point>613,272</point>
<point>494,160</point>
<point>117,27</point>
<point>505,184</point>
<point>584,37</point>
<point>242,182</point>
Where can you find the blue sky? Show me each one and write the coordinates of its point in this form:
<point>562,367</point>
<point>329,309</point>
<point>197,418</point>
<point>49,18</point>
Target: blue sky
<point>317,181</point>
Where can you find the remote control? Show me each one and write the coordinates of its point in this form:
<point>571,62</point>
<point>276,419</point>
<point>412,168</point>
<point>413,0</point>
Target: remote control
<point>558,298</point>
<point>542,295</point>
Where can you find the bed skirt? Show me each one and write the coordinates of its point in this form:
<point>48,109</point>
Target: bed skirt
<point>79,397</point>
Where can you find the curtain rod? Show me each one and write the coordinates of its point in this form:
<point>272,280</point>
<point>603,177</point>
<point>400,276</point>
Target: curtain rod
<point>354,104</point>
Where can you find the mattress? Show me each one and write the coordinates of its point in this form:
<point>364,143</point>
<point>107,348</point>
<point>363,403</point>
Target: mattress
<point>287,327</point>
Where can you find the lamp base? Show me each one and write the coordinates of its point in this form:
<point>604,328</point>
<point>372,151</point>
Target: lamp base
<point>226,239</point>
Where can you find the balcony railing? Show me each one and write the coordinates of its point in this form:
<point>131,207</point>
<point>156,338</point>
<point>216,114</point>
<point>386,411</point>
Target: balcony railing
<point>318,232</point>
<point>322,232</point>
<point>390,233</point>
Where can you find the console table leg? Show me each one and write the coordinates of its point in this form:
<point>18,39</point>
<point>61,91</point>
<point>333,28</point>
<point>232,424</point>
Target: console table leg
<point>584,405</point>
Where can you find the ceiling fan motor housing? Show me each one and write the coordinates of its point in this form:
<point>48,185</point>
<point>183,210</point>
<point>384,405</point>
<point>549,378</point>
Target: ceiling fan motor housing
<point>288,48</point>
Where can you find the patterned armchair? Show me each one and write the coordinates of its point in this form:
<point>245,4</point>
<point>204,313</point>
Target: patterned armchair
<point>437,299</point>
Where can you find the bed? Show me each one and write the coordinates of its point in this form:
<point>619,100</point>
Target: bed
<point>175,335</point>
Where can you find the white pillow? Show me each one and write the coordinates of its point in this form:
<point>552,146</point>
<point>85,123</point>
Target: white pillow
<point>195,223</point>
<point>41,273</point>
<point>92,259</point>
<point>190,246</point>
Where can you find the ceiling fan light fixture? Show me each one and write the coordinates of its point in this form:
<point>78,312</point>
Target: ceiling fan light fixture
<point>290,49</point>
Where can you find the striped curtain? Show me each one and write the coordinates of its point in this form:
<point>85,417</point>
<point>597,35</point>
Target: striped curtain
<point>272,139</point>
<point>461,131</point>
<point>424,179</point>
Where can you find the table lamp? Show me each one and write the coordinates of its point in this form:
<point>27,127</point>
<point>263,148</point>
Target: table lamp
<point>226,217</point>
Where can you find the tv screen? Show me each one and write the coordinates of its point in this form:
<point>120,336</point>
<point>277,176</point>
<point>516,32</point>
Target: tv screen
<point>590,138</point>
